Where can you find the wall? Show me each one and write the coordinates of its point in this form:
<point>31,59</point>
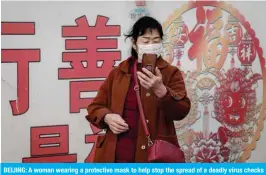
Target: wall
<point>48,98</point>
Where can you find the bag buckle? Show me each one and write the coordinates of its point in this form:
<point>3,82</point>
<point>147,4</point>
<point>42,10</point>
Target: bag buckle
<point>150,142</point>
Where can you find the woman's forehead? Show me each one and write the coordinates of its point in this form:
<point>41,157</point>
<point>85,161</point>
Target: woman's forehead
<point>152,33</point>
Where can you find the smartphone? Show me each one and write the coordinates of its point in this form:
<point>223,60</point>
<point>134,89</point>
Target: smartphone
<point>149,62</point>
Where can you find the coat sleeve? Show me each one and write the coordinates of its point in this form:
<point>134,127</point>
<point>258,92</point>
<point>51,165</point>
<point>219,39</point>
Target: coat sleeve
<point>99,106</point>
<point>175,104</point>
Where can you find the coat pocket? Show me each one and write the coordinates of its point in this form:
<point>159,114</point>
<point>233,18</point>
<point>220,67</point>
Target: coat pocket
<point>99,150</point>
<point>100,140</point>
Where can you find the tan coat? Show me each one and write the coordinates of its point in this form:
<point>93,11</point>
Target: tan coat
<point>160,113</point>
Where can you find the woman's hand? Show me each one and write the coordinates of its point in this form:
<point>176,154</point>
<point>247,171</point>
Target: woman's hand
<point>154,82</point>
<point>116,123</point>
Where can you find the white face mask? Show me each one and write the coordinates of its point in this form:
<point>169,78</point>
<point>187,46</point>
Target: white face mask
<point>156,49</point>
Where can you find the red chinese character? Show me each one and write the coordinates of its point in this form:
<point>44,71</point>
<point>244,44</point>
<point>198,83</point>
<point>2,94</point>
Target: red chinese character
<point>76,87</point>
<point>50,144</point>
<point>22,57</point>
<point>140,3</point>
<point>92,138</point>
<point>97,63</point>
<point>246,51</point>
<point>18,28</point>
<point>206,37</point>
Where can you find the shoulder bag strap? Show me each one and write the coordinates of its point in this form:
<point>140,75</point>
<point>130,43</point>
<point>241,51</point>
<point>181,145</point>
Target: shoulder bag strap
<point>141,112</point>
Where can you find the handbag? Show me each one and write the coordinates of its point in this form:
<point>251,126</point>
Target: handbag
<point>158,150</point>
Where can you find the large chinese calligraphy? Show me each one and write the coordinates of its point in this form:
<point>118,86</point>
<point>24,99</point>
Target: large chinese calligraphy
<point>22,57</point>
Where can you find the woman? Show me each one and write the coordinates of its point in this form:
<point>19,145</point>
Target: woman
<point>115,108</point>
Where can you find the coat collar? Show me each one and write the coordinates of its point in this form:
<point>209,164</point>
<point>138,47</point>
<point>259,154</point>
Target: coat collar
<point>124,65</point>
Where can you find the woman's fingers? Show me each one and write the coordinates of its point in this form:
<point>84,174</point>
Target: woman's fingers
<point>149,73</point>
<point>120,127</point>
<point>117,129</point>
<point>143,76</point>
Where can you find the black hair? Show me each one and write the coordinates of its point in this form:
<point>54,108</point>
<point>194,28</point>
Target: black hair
<point>141,26</point>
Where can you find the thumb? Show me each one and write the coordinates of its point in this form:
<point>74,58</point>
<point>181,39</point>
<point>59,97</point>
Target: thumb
<point>158,72</point>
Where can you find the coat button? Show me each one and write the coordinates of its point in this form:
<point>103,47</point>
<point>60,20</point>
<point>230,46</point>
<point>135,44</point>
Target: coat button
<point>176,97</point>
<point>147,121</point>
<point>143,147</point>
<point>148,94</point>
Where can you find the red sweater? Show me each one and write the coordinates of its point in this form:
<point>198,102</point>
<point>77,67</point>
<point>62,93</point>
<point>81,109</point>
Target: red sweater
<point>126,143</point>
